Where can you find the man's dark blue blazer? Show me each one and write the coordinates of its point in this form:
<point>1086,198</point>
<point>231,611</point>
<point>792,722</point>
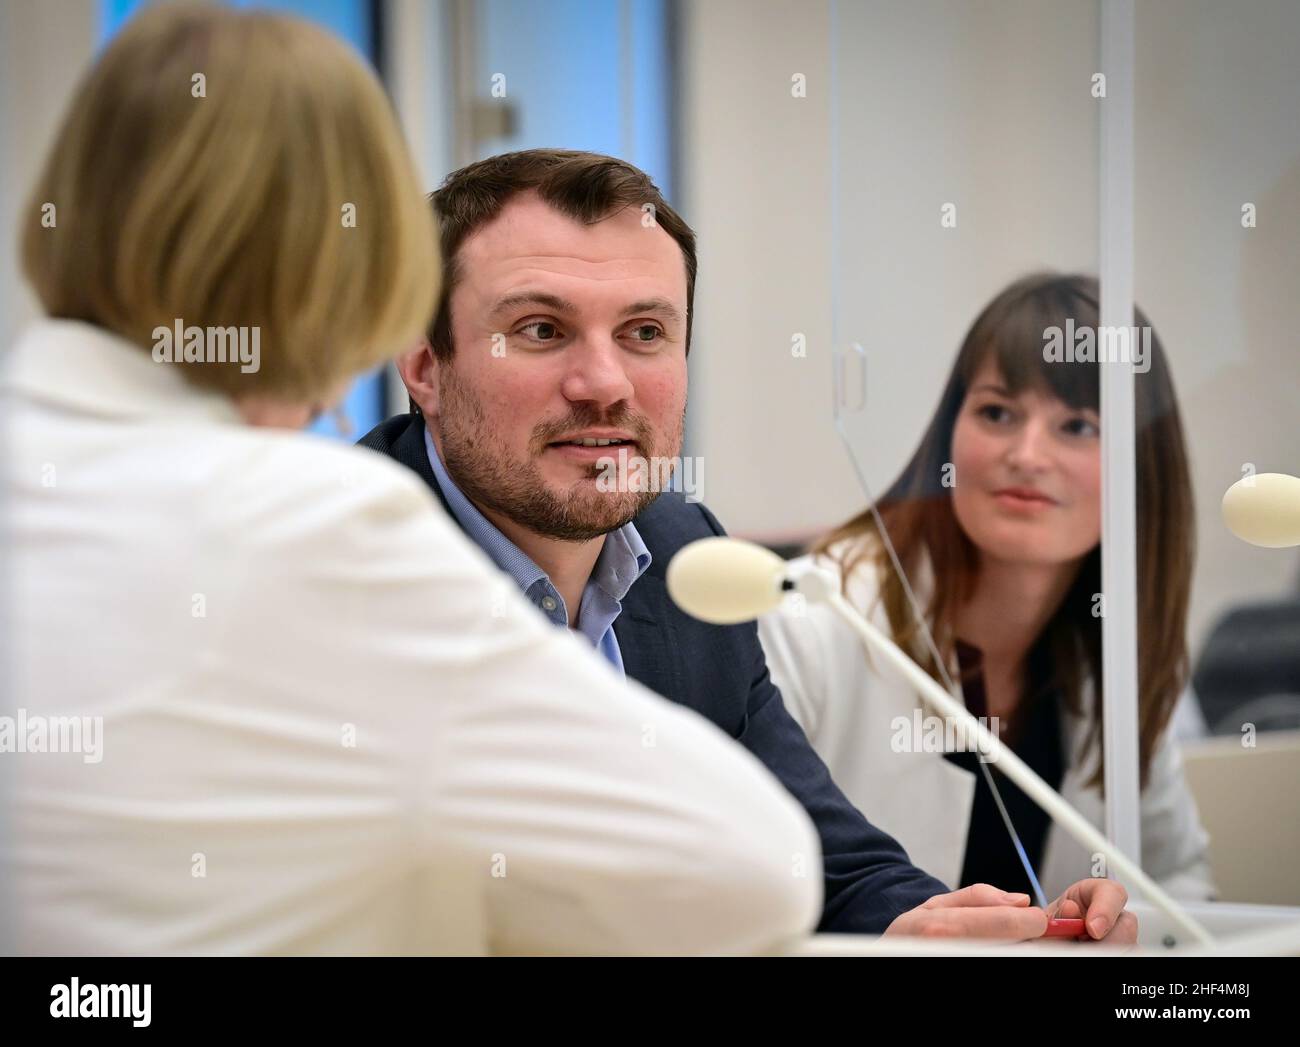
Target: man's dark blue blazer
<point>721,673</point>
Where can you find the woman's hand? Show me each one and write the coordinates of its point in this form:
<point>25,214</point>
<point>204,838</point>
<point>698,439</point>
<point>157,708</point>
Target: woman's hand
<point>1101,904</point>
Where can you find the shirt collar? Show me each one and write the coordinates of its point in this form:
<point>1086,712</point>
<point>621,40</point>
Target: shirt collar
<point>623,558</point>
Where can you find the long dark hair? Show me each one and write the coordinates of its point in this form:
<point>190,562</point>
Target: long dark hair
<point>918,514</point>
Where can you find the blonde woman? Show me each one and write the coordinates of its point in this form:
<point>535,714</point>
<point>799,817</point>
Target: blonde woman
<point>996,522</point>
<point>270,700</point>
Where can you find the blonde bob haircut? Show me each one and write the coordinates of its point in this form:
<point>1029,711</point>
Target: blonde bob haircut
<point>224,167</point>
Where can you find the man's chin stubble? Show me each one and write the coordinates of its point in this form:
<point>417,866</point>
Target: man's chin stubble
<point>576,518</point>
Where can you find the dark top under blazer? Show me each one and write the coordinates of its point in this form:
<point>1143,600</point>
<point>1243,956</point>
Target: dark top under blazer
<point>720,672</point>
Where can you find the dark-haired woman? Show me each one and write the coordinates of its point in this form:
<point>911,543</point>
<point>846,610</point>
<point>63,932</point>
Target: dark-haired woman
<point>996,522</point>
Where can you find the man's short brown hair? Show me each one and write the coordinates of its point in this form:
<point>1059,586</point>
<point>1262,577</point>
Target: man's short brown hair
<point>585,186</point>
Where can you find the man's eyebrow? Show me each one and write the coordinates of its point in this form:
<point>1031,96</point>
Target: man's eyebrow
<point>662,306</point>
<point>518,298</point>
<point>655,305</point>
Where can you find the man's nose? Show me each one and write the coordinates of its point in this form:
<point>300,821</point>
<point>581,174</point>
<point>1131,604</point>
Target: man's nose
<point>596,373</point>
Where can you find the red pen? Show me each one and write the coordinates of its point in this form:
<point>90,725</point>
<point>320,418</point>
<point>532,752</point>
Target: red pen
<point>1065,927</point>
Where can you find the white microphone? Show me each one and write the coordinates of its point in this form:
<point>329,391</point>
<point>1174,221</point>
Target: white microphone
<point>726,581</point>
<point>1264,509</point>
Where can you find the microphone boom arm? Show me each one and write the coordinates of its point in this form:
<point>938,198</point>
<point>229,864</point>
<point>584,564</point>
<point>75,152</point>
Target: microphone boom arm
<point>820,586</point>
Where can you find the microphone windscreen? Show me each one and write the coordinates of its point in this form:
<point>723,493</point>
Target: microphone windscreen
<point>1264,509</point>
<point>725,580</point>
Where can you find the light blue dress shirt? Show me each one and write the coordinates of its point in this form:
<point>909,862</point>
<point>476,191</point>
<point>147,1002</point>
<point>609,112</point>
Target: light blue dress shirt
<point>622,561</point>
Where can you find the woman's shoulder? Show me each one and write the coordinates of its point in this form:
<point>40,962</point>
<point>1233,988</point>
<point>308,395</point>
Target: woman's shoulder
<point>813,633</point>
<point>858,565</point>
<point>294,498</point>
<point>817,658</point>
<point>313,471</point>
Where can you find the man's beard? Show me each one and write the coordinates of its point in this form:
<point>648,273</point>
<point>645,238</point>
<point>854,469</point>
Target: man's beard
<point>486,472</point>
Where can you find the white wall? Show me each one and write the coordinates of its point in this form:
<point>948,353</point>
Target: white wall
<point>44,48</point>
<point>755,180</point>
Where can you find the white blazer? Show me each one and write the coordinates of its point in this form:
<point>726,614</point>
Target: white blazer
<point>329,724</point>
<point>848,704</point>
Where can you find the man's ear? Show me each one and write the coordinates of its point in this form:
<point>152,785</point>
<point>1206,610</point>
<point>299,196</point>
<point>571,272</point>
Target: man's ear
<point>419,370</point>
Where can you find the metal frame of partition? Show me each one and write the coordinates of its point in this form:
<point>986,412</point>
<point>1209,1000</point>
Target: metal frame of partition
<point>1119,485</point>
